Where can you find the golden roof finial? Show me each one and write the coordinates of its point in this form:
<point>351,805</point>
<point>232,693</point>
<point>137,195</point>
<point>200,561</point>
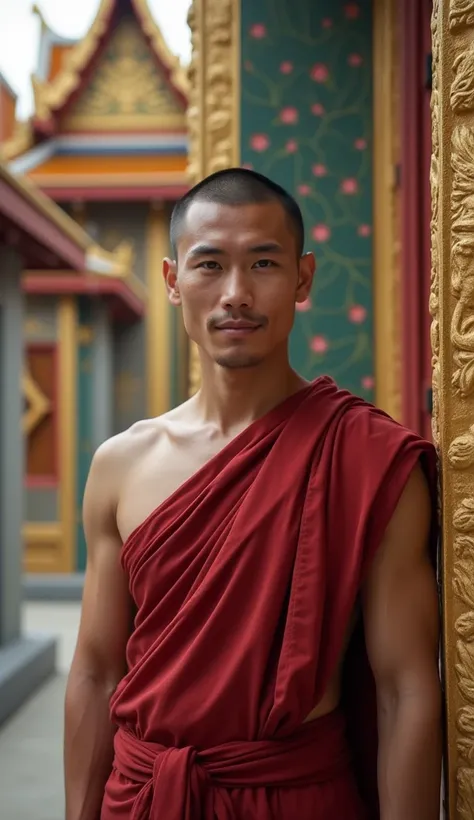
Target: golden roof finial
<point>38,13</point>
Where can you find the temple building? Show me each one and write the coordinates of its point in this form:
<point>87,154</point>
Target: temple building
<point>38,237</point>
<point>108,142</point>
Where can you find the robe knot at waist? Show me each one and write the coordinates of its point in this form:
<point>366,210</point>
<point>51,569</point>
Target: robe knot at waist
<point>186,783</point>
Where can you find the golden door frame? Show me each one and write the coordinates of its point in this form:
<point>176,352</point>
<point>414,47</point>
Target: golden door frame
<point>214,128</point>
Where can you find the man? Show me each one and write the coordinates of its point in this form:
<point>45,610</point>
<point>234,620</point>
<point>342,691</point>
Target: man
<point>232,545</point>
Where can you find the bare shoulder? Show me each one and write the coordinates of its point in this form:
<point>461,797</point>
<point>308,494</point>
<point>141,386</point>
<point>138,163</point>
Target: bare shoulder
<point>406,543</point>
<point>409,529</point>
<point>115,458</point>
<point>120,455</point>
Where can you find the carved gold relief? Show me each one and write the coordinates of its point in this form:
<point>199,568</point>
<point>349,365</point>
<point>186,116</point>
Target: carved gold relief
<point>38,405</point>
<point>213,87</point>
<point>214,100</point>
<point>462,89</point>
<point>127,81</point>
<point>452,307</point>
<point>461,14</point>
<point>462,257</point>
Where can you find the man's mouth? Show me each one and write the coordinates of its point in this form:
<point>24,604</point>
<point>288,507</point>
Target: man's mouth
<point>236,327</point>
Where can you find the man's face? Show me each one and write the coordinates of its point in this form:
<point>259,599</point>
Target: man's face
<point>237,279</point>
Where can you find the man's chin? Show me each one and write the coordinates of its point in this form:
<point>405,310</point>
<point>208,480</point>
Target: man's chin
<point>238,361</point>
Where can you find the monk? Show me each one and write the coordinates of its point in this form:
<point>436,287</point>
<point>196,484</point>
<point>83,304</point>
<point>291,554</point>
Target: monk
<point>259,631</point>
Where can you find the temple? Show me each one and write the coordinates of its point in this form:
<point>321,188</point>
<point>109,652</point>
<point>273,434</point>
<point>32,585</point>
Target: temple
<point>107,141</point>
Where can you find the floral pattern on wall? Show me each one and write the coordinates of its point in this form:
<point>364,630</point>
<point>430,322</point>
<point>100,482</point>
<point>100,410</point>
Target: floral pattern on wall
<point>306,122</point>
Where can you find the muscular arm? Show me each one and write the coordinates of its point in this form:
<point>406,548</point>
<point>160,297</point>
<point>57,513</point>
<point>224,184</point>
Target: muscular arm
<point>99,659</point>
<point>402,634</point>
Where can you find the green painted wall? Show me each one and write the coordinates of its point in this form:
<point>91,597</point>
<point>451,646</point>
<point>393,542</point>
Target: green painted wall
<point>306,122</point>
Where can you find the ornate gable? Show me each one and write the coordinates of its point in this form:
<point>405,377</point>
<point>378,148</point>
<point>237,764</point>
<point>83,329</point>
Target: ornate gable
<point>128,89</point>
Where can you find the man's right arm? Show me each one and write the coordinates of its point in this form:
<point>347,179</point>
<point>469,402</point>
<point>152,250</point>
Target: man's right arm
<point>99,660</point>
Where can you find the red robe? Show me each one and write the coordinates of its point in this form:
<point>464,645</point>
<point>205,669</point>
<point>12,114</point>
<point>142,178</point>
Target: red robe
<point>245,581</point>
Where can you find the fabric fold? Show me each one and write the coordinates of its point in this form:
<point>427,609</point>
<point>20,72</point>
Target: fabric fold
<point>245,583</point>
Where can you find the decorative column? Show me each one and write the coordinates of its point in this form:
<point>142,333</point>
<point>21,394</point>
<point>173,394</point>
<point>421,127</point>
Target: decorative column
<point>214,101</point>
<point>452,308</point>
<point>68,409</point>
<point>158,315</point>
<point>102,374</point>
<point>11,444</point>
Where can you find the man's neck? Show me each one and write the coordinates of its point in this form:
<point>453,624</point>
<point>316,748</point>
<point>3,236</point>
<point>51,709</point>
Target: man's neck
<point>234,398</point>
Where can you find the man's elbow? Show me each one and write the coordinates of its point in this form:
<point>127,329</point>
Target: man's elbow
<point>417,692</point>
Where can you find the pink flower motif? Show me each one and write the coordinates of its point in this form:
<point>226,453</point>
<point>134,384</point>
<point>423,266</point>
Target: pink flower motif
<point>291,147</point>
<point>303,307</point>
<point>289,115</point>
<point>354,60</point>
<point>304,189</point>
<point>258,31</point>
<point>327,22</point>
<point>352,11</point>
<point>248,166</point>
<point>364,230</point>
<point>349,186</point>
<point>321,233</point>
<point>360,144</point>
<point>319,344</point>
<point>317,109</point>
<point>357,314</point>
<point>319,73</point>
<point>319,170</point>
<point>259,142</point>
<point>286,67</point>
<point>248,65</point>
<point>368,382</point>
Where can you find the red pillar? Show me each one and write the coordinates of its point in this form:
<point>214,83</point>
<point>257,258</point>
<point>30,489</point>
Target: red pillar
<point>415,207</point>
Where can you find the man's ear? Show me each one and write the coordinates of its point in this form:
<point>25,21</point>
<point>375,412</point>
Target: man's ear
<point>307,269</point>
<point>170,275</point>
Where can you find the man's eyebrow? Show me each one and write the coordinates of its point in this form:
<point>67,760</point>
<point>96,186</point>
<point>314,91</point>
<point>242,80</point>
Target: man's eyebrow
<point>266,247</point>
<point>202,250</point>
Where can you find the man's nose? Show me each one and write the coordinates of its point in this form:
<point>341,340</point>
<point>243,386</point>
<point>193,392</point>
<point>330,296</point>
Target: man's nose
<point>237,291</point>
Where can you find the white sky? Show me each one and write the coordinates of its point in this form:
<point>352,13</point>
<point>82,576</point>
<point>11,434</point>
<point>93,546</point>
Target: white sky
<point>19,34</point>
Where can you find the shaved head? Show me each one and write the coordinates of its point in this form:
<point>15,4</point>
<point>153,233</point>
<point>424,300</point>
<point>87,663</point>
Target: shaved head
<point>235,187</point>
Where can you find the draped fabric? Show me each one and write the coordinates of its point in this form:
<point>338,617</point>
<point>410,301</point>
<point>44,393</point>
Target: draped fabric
<point>245,581</point>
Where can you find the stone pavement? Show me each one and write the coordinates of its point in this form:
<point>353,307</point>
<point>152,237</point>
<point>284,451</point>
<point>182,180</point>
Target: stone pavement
<point>31,769</point>
<point>31,766</point>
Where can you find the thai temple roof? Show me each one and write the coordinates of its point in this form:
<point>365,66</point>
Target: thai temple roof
<point>109,111</point>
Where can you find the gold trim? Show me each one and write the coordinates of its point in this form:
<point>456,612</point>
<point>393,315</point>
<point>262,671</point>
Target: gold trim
<point>139,122</point>
<point>171,61</point>
<point>49,97</point>
<point>19,143</point>
<point>67,378</point>
<point>116,264</point>
<point>214,101</point>
<point>38,404</point>
<point>145,179</point>
<point>42,547</point>
<point>386,279</point>
<point>452,335</point>
<point>158,319</point>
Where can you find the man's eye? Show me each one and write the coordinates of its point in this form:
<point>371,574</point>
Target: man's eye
<point>264,263</point>
<point>210,265</point>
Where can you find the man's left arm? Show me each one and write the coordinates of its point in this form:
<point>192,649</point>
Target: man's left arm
<point>401,621</point>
